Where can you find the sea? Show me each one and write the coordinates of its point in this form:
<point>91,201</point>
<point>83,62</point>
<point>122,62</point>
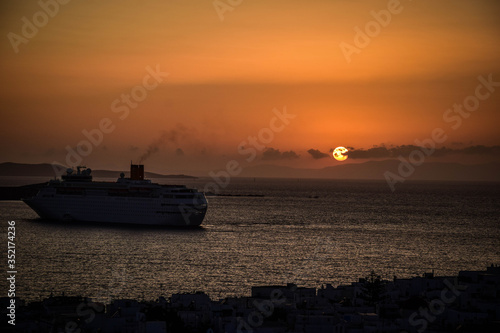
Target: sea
<point>261,232</point>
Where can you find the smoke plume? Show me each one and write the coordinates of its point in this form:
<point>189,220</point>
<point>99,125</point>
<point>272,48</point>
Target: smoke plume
<point>172,136</point>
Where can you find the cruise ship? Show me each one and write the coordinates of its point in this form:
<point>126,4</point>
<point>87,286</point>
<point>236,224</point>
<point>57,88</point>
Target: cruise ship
<point>135,200</point>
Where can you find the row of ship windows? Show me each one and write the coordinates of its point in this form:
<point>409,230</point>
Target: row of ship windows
<point>186,190</point>
<point>172,196</point>
<point>181,205</point>
<point>167,196</point>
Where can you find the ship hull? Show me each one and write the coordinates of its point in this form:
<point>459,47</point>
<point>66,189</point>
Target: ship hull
<point>124,210</point>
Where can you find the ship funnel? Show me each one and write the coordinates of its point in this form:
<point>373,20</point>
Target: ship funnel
<point>136,171</point>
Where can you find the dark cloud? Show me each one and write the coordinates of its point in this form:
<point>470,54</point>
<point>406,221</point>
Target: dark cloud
<point>405,150</point>
<point>316,154</point>
<point>481,150</point>
<point>275,154</point>
<point>375,152</point>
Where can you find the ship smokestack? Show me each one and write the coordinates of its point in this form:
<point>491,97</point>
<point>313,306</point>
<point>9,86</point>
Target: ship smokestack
<point>137,171</point>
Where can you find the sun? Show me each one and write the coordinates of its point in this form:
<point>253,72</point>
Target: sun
<point>337,153</point>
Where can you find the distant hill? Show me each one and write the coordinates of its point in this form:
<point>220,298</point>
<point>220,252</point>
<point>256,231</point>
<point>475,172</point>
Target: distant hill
<point>367,170</point>
<point>46,170</point>
<point>376,169</point>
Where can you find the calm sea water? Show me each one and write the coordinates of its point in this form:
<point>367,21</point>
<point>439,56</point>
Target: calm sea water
<point>309,232</point>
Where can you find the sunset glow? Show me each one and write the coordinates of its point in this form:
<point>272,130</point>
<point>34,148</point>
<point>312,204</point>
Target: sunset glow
<point>224,72</point>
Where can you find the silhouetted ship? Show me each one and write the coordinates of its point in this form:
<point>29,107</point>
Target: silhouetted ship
<point>131,200</point>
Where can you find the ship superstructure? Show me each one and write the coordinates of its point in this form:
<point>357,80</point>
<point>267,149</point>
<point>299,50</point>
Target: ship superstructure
<point>134,200</point>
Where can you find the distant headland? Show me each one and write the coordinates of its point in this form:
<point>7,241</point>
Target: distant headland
<point>47,170</point>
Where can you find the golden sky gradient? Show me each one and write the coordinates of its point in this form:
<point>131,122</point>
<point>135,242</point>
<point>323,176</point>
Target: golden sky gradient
<point>226,76</point>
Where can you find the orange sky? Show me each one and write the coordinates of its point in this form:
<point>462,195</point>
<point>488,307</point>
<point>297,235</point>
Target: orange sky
<point>226,77</point>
